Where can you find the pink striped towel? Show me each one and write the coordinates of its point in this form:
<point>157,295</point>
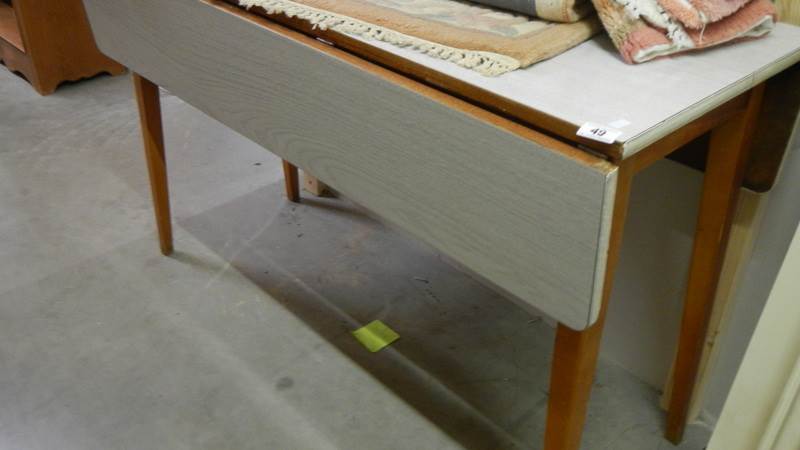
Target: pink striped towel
<point>647,29</point>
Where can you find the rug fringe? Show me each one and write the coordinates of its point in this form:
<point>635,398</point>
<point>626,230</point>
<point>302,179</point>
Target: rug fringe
<point>485,63</point>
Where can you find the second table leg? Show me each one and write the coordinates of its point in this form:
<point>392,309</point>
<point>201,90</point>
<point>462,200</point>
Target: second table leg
<point>292,181</point>
<point>727,158</point>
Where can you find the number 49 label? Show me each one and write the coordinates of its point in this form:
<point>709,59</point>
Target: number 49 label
<point>597,132</point>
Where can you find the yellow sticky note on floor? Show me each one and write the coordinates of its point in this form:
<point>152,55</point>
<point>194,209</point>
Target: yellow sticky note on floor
<point>375,335</point>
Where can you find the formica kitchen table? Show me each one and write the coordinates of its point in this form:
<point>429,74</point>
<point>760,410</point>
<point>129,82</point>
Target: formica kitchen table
<point>489,171</point>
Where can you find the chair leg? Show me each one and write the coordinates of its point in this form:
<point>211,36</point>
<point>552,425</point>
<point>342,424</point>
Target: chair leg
<point>575,354</point>
<point>727,158</point>
<point>292,181</point>
<point>147,97</point>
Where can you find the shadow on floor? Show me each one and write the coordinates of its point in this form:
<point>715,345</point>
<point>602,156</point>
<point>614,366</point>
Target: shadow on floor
<point>471,362</point>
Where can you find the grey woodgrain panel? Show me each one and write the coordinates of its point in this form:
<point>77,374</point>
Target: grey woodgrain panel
<point>530,220</point>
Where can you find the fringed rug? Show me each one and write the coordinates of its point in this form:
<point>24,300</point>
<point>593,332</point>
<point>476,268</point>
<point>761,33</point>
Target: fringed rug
<point>486,40</point>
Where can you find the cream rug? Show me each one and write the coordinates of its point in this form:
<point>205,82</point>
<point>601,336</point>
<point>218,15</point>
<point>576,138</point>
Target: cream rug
<point>489,41</point>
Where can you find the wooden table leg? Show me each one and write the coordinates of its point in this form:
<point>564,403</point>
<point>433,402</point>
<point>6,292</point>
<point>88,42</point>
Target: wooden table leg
<point>292,181</point>
<point>727,159</point>
<point>148,99</point>
<point>575,354</point>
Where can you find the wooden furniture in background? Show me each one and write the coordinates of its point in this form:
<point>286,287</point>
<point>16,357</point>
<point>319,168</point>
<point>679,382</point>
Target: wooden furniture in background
<point>50,42</point>
<point>789,11</point>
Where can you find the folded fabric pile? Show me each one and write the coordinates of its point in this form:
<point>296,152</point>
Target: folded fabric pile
<point>646,29</point>
<point>554,10</point>
<point>491,40</point>
<point>487,40</point>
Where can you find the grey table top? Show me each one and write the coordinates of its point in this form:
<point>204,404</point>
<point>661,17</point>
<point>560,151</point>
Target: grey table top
<point>590,83</point>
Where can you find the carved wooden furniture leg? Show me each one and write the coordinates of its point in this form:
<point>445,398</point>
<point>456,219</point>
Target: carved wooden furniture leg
<point>575,354</point>
<point>148,99</point>
<point>292,181</point>
<point>727,158</point>
<point>50,43</point>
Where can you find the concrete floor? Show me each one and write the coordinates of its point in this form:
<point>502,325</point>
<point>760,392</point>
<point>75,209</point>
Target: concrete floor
<point>242,339</point>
